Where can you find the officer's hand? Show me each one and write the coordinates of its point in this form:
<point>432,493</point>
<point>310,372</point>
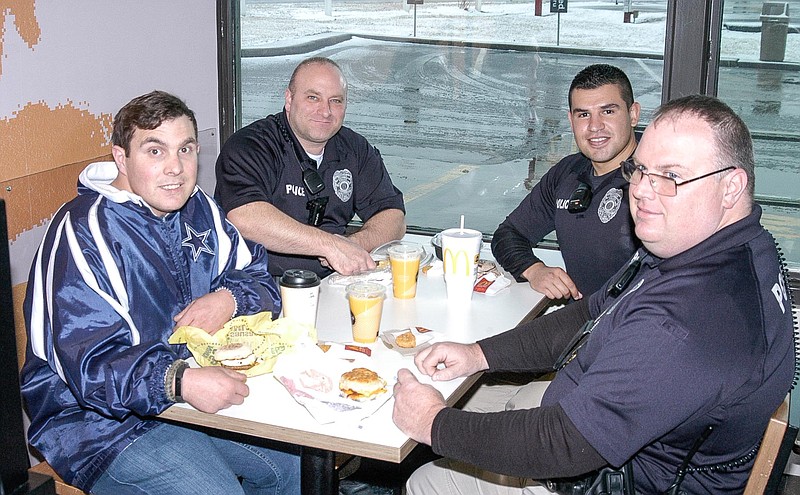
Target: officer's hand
<point>448,360</point>
<point>347,257</point>
<point>553,282</point>
<point>415,406</point>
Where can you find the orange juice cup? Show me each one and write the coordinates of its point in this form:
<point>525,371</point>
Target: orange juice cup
<point>366,306</point>
<point>405,259</point>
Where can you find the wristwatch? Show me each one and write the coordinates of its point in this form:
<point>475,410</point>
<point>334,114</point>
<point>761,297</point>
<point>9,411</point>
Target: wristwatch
<point>182,366</point>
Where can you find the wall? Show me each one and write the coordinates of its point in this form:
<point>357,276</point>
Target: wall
<point>66,67</point>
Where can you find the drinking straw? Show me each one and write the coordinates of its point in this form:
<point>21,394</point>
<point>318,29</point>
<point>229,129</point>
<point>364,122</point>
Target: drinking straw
<point>462,222</point>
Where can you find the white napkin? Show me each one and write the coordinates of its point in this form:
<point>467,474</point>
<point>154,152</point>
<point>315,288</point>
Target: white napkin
<point>498,283</point>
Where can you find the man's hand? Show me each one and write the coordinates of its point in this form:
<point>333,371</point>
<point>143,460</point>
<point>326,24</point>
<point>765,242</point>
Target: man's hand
<point>345,256</point>
<point>213,388</point>
<point>447,360</point>
<point>280,233</point>
<point>415,406</point>
<point>209,312</point>
<point>553,282</point>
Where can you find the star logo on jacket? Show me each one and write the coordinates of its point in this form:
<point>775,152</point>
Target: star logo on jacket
<point>197,241</point>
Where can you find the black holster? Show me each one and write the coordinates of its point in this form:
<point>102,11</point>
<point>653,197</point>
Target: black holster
<point>607,481</point>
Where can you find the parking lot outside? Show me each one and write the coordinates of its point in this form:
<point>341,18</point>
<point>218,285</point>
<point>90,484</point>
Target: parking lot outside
<point>468,130</point>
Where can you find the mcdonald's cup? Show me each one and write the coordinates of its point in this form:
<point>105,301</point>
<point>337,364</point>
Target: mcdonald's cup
<point>460,249</point>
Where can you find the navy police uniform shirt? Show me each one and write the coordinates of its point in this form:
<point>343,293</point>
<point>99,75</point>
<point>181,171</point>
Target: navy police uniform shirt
<point>265,162</point>
<point>701,338</point>
<point>595,242</point>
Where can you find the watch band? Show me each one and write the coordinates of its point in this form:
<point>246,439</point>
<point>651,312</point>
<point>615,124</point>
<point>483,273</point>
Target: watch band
<point>181,368</point>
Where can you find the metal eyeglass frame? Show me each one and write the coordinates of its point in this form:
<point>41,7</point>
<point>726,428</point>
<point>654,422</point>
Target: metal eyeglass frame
<point>658,182</point>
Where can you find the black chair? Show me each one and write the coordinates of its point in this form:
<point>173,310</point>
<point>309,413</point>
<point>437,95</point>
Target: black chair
<point>14,463</point>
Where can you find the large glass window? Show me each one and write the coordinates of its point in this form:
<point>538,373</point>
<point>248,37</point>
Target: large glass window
<point>467,99</point>
<point>760,78</point>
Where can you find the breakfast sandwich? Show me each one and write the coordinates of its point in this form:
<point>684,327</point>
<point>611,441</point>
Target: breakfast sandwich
<point>235,356</point>
<point>361,384</point>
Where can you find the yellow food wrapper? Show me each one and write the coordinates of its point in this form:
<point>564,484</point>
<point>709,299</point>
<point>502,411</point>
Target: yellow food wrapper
<point>266,337</point>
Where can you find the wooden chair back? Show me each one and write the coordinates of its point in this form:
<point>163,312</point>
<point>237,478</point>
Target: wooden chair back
<point>765,478</point>
<point>18,294</point>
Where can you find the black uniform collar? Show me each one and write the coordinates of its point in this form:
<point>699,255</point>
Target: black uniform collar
<point>737,234</point>
<point>585,171</point>
<point>291,140</point>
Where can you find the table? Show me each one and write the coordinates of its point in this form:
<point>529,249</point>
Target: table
<point>270,411</point>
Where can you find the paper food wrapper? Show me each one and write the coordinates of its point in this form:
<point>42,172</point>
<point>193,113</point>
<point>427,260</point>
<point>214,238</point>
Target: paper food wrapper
<point>266,337</point>
<point>491,278</point>
<point>382,274</point>
<point>422,335</point>
<point>312,376</point>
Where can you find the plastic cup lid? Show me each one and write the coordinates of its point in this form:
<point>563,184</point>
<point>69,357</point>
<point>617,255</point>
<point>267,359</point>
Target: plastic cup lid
<point>299,278</point>
<point>462,233</point>
<point>366,289</point>
<point>406,250</point>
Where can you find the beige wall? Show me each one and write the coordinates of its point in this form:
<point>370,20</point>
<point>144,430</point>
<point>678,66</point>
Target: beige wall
<point>66,67</point>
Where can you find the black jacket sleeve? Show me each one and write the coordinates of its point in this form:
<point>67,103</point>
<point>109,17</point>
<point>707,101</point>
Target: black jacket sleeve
<point>535,346</point>
<point>531,443</point>
<point>512,250</point>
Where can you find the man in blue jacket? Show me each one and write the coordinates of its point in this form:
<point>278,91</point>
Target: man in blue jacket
<point>140,251</point>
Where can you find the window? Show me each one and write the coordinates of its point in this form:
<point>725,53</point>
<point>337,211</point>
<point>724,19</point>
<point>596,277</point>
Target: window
<point>467,99</point>
<point>469,113</point>
<point>759,79</point>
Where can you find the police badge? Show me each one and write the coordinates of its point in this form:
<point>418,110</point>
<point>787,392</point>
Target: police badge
<point>609,205</point>
<point>343,184</point>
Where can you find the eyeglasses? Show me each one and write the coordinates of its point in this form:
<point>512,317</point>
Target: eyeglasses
<point>662,185</point>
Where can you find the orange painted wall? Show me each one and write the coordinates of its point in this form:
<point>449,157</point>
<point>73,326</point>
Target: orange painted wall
<point>65,69</point>
<point>44,150</point>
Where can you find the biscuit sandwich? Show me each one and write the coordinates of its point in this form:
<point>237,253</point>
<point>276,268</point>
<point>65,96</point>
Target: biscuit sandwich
<point>235,356</point>
<point>361,384</point>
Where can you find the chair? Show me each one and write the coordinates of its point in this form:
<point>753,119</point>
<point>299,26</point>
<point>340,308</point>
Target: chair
<point>14,462</point>
<point>765,478</point>
<point>43,467</point>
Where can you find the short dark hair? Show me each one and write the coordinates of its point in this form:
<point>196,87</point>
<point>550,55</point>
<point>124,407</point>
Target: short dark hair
<point>732,139</point>
<point>312,61</point>
<point>147,112</point>
<point>597,75</point>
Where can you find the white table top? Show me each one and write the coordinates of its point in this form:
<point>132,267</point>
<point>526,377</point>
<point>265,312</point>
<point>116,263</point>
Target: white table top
<point>271,412</point>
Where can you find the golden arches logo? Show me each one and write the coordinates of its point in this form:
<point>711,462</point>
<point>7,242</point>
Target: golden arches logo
<point>452,259</point>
